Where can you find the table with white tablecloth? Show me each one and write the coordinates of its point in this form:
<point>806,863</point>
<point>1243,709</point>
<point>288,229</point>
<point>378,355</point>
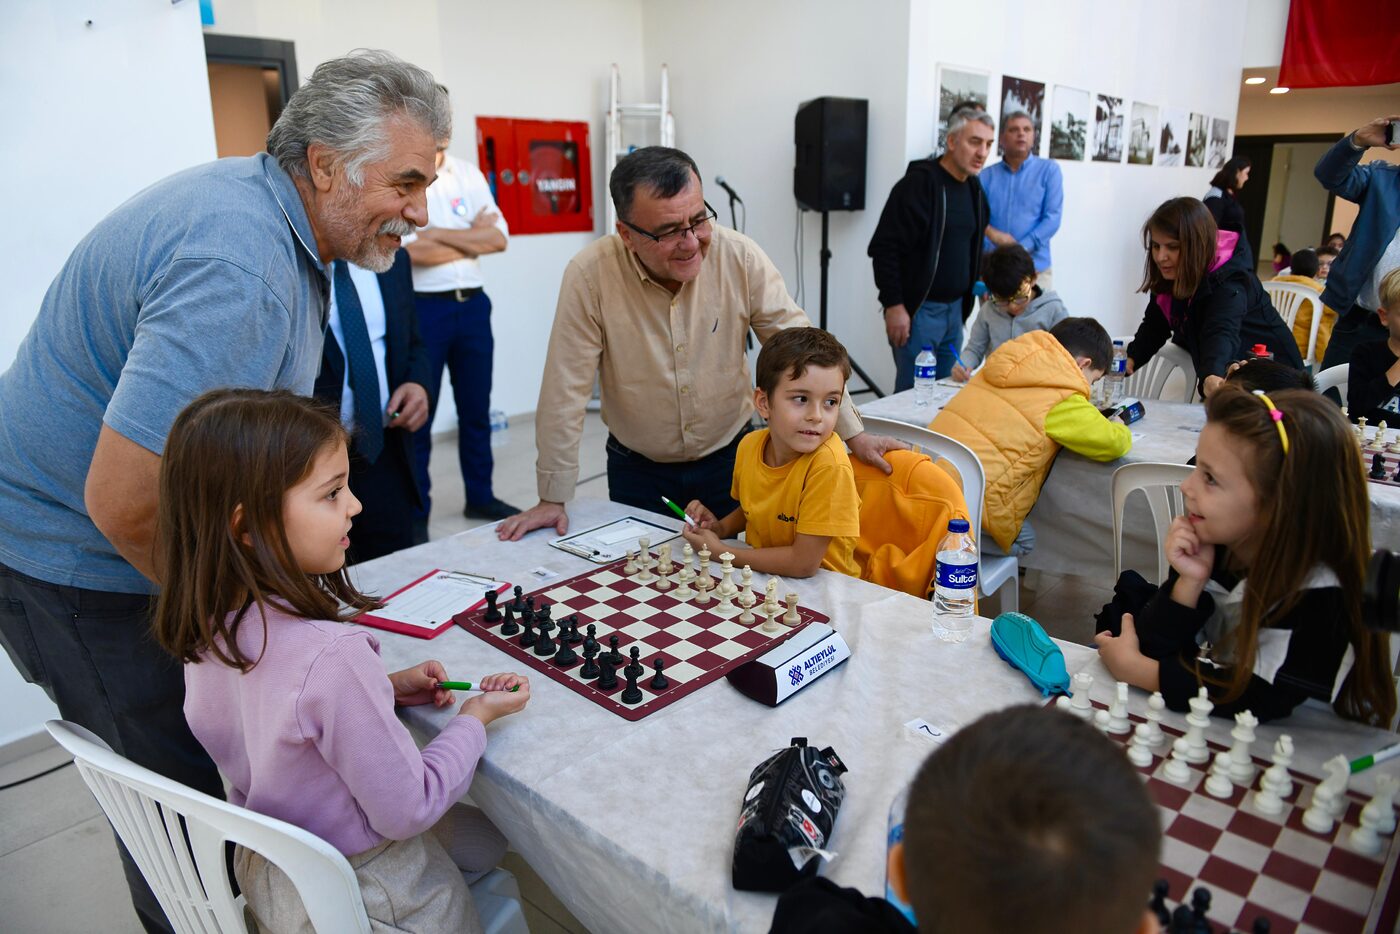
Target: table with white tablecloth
<point>1073,518</point>
<point>632,824</point>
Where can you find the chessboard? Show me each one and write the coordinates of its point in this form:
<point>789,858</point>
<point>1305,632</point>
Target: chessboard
<point>1270,866</point>
<point>696,643</point>
<point>1382,466</point>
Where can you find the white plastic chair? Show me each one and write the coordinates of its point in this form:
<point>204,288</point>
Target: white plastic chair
<point>1335,377</point>
<point>996,574</point>
<point>1161,483</point>
<point>1288,299</point>
<point>1149,380</point>
<point>177,837</point>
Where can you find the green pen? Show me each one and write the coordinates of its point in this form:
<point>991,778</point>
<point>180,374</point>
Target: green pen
<point>466,686</point>
<point>680,513</point>
<point>1365,762</point>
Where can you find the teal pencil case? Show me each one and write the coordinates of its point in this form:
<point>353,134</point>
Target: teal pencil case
<point>1023,644</point>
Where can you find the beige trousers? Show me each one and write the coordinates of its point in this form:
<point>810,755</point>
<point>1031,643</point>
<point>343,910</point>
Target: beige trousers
<point>415,885</point>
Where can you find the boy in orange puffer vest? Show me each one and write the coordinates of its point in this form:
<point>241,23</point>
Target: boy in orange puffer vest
<point>1029,400</point>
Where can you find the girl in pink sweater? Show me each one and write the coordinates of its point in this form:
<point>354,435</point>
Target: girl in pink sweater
<point>293,704</point>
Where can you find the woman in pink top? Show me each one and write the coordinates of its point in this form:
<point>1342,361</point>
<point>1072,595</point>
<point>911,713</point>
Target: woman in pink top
<point>292,704</point>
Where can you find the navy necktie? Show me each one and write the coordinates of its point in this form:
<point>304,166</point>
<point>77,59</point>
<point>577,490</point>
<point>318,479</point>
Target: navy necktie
<point>359,360</point>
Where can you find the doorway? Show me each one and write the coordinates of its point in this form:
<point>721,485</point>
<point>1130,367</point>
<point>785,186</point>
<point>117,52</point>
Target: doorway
<point>1282,201</point>
<point>250,81</point>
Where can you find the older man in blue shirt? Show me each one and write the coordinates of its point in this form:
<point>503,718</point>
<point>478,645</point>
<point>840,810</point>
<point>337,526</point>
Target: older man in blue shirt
<point>1025,195</point>
<point>214,277</point>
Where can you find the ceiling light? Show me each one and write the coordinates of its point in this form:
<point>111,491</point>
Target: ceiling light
<point>1256,79</point>
<point>1278,90</point>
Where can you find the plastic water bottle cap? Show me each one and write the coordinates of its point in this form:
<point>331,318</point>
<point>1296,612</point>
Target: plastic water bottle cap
<point>958,525</point>
<point>929,348</point>
<point>1259,350</point>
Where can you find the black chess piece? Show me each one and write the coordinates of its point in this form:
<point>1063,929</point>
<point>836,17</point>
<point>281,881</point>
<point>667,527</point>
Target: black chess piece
<point>1158,905</point>
<point>590,669</point>
<point>1396,478</point>
<point>1200,907</point>
<point>544,645</point>
<point>635,665</point>
<point>632,694</point>
<point>509,627</point>
<point>660,682</point>
<point>1181,920</point>
<point>493,615</point>
<point>530,604</point>
<point>1377,467</point>
<point>566,655</point>
<point>574,637</point>
<point>1261,925</point>
<point>607,676</point>
<point>518,604</point>
<point>592,637</point>
<point>614,657</point>
<point>544,611</point>
<point>528,637</point>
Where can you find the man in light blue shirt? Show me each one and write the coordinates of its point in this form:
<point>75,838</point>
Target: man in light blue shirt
<point>214,277</point>
<point>1025,194</point>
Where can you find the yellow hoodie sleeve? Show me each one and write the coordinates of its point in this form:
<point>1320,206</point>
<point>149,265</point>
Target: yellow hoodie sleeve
<point>1077,425</point>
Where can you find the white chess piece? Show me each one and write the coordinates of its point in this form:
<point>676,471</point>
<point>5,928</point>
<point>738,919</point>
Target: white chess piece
<point>630,567</point>
<point>726,599</point>
<point>1242,768</point>
<point>770,619</point>
<point>703,581</point>
<point>1155,705</point>
<point>1338,770</point>
<point>1140,749</point>
<point>792,617</point>
<point>1364,837</point>
<point>1176,770</point>
<point>1381,431</point>
<point>1277,774</point>
<point>1218,783</point>
<point>1266,799</point>
<point>746,597</point>
<point>665,566</point>
<point>644,550</point>
<point>1383,804</point>
<point>1118,711</point>
<point>746,617</point>
<point>1196,722</point>
<point>1081,686</point>
<point>1321,812</point>
<point>688,559</point>
<point>727,590</point>
<point>683,589</point>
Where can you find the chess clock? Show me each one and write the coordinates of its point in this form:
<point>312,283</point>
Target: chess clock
<point>788,668</point>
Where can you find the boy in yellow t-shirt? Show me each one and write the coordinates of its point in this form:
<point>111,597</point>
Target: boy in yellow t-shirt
<point>798,506</point>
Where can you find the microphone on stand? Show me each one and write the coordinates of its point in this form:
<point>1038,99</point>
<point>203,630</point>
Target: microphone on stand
<point>733,199</point>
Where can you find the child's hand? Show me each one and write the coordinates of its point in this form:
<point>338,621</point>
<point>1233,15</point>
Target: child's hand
<point>1191,557</point>
<point>418,685</point>
<point>701,514</point>
<point>497,699</point>
<point>1123,657</point>
<point>702,538</point>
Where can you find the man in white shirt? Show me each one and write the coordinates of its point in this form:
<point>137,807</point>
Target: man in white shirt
<point>454,317</point>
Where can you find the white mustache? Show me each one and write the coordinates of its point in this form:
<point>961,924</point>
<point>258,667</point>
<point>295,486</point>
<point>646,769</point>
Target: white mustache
<point>397,227</point>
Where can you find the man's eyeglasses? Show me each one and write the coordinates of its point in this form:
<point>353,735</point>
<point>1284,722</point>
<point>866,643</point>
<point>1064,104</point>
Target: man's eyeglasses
<point>674,236</point>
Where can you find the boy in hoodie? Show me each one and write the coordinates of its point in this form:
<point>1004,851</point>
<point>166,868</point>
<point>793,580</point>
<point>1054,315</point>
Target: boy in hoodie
<point>1015,305</point>
<point>1031,399</point>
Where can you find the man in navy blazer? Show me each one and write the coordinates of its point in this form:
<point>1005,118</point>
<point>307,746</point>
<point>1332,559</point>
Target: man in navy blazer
<point>385,485</point>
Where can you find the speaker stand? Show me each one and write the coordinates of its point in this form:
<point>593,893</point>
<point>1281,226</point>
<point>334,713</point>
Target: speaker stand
<point>825,257</point>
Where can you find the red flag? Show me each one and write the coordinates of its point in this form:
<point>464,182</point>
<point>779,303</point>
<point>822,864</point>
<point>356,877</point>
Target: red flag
<point>1331,44</point>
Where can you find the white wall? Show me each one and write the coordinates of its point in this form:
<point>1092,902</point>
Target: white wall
<point>1266,23</point>
<point>94,113</point>
<point>549,62</point>
<point>1185,56</point>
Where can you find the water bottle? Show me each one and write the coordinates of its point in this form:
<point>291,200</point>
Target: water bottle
<point>1117,373</point>
<point>500,428</point>
<point>925,373</point>
<point>955,587</point>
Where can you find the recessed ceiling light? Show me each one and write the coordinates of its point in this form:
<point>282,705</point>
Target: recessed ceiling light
<point>1278,90</point>
<point>1255,80</point>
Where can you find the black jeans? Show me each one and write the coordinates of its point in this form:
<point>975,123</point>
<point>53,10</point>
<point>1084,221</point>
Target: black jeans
<point>1357,326</point>
<point>93,654</point>
<point>638,481</point>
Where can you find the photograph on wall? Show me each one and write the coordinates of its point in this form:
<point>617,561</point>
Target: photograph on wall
<point>1142,134</point>
<point>1196,140</point>
<point>1171,147</point>
<point>1020,95</point>
<point>1217,150</point>
<point>955,86</point>
<point>1108,129</point>
<point>1069,123</point>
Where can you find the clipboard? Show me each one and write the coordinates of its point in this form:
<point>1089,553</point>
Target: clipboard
<point>609,542</point>
<point>425,608</point>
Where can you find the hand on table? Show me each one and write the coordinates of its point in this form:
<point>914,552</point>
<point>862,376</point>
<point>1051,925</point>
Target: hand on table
<point>408,407</point>
<point>536,517</point>
<point>1122,655</point>
<point>700,539</point>
<point>897,325</point>
<point>497,699</point>
<point>418,685</point>
<point>872,449</point>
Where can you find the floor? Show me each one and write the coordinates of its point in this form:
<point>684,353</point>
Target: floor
<point>52,832</point>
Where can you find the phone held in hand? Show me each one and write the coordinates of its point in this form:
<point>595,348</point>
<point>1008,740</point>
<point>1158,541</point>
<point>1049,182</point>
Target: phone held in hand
<point>1129,411</point>
<point>1392,132</point>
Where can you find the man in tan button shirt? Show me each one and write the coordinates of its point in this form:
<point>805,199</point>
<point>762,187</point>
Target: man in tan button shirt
<point>658,313</point>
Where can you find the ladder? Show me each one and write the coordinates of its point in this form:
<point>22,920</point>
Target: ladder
<point>658,115</point>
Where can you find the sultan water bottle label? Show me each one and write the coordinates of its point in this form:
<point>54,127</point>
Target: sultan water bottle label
<point>957,576</point>
<point>926,372</point>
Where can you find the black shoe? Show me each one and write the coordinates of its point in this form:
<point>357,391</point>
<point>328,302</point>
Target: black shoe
<point>490,510</point>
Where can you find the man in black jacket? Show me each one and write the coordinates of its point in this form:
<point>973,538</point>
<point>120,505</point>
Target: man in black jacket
<point>374,336</point>
<point>927,248</point>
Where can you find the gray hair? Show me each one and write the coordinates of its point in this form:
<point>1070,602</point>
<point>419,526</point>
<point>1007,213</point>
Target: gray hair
<point>345,106</point>
<point>963,117</point>
<point>1017,115</point>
